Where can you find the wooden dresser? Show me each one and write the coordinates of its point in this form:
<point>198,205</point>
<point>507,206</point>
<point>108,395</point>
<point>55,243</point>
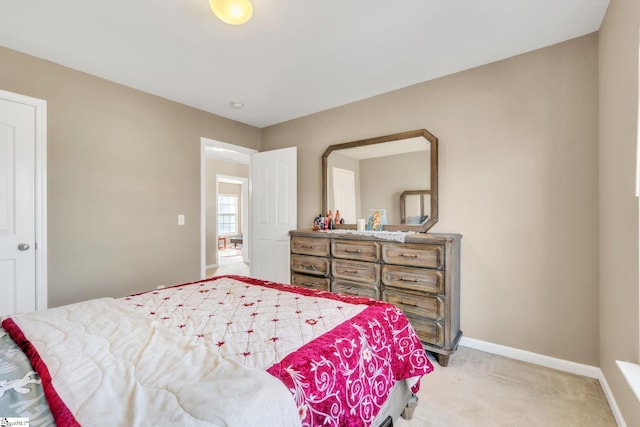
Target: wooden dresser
<point>420,276</point>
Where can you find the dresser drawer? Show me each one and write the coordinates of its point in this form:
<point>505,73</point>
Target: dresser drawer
<point>310,246</point>
<point>356,250</point>
<point>412,278</point>
<point>346,287</point>
<point>415,305</point>
<point>313,282</point>
<point>429,331</point>
<point>310,265</point>
<point>357,271</point>
<point>415,255</point>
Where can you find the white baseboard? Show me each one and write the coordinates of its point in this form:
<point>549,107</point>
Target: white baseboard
<point>210,266</point>
<point>535,358</point>
<point>550,362</point>
<point>617,414</point>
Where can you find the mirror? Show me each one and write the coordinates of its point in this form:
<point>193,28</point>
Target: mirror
<point>397,174</point>
<point>414,207</point>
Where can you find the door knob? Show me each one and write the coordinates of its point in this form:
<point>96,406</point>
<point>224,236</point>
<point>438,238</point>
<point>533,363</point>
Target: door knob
<point>23,247</point>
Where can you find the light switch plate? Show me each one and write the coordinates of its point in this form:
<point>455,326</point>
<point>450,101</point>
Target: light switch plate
<point>180,219</point>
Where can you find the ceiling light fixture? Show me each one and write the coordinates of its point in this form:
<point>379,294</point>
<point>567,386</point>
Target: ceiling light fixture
<point>234,12</point>
<point>237,105</point>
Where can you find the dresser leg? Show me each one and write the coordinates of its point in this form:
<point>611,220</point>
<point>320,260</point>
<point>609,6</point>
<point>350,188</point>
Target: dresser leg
<point>443,359</point>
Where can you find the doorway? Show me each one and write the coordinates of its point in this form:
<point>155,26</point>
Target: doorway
<point>231,222</point>
<point>224,173</point>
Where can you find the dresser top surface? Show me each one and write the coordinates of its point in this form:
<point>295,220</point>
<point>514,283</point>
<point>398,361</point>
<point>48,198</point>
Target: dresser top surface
<point>354,235</point>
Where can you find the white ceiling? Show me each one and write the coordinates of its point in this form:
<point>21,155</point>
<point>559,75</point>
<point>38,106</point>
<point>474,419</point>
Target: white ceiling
<point>295,57</point>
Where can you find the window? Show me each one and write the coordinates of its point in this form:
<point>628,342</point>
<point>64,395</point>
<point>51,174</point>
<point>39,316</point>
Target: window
<point>227,214</point>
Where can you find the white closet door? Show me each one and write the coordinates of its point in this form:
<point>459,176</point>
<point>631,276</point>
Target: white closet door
<point>17,207</point>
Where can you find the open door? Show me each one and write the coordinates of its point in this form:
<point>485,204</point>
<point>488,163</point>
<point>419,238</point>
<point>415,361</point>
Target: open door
<point>273,194</point>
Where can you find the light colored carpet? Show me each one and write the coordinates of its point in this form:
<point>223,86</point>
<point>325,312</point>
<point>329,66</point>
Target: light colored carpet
<point>482,389</point>
<point>230,265</point>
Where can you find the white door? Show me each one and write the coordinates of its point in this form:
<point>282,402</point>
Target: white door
<point>17,207</point>
<point>273,212</point>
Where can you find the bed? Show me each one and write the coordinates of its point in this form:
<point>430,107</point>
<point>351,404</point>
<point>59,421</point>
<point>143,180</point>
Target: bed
<point>227,351</point>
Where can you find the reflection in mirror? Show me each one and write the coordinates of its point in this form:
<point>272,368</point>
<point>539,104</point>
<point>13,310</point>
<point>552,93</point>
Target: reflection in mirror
<point>373,174</point>
<point>414,207</point>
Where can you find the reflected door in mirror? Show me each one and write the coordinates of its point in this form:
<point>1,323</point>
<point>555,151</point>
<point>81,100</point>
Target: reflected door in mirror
<point>344,194</point>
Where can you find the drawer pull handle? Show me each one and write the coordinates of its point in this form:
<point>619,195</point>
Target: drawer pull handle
<point>412,304</point>
<point>352,251</point>
<point>349,271</point>
<point>309,267</point>
<point>307,247</point>
<point>403,279</point>
<point>409,255</point>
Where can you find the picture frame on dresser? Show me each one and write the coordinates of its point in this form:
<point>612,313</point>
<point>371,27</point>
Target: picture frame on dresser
<point>377,219</point>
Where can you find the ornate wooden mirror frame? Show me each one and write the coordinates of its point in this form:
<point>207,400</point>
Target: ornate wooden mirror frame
<point>433,185</point>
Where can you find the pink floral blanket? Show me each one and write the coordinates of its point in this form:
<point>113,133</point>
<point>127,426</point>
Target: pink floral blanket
<point>338,355</point>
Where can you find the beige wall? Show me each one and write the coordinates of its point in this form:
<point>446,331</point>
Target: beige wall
<point>619,312</point>
<point>121,166</point>
<point>518,178</point>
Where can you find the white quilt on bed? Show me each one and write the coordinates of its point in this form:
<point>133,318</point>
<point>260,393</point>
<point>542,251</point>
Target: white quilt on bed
<point>147,385</point>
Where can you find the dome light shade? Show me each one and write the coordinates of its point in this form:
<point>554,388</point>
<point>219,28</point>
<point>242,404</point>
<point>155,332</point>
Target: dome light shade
<point>234,12</point>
